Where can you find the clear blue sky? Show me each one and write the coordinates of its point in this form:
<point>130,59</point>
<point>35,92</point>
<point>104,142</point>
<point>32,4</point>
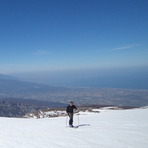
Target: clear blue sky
<point>72,34</point>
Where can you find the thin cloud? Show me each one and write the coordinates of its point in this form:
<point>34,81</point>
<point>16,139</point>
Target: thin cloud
<point>126,47</point>
<point>42,52</point>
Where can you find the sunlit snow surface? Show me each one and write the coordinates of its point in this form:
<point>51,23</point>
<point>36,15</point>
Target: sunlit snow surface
<point>107,129</point>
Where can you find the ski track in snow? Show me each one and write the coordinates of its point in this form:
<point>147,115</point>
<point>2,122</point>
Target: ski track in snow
<point>108,129</point>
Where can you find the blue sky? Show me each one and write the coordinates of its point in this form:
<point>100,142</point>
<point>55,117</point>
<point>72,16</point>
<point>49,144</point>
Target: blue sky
<point>42,35</point>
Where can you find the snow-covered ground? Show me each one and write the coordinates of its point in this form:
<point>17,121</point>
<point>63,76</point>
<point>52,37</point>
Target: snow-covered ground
<point>108,129</point>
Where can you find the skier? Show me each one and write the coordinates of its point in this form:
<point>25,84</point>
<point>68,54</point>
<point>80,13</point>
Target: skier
<point>70,108</point>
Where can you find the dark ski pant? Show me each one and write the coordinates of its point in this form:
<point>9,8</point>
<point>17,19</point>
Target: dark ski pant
<point>71,118</point>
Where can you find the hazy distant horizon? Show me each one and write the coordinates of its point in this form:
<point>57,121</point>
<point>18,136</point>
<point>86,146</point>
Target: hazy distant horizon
<point>131,77</point>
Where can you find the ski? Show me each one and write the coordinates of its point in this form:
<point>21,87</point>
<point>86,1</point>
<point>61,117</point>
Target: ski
<point>73,126</point>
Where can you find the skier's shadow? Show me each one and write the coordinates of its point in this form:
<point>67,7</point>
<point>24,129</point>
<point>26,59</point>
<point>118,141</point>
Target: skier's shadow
<point>84,125</point>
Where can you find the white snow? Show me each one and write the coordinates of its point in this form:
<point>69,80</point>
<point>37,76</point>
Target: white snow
<point>108,129</point>
<point>46,114</point>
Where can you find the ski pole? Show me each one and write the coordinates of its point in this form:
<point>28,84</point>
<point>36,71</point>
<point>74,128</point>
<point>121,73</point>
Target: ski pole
<point>66,120</point>
<point>78,119</point>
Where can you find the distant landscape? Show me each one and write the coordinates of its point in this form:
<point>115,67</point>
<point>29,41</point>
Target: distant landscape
<point>17,107</point>
<point>14,88</point>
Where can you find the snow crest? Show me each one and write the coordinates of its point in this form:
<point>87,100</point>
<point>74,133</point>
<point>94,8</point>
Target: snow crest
<point>108,129</point>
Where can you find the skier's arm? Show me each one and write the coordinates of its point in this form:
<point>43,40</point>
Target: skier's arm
<point>75,107</point>
<point>67,110</point>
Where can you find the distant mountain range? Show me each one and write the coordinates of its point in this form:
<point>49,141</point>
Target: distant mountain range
<point>2,76</point>
<point>16,107</point>
<point>13,88</point>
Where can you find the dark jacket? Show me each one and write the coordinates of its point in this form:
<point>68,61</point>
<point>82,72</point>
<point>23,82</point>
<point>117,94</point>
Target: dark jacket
<point>70,109</point>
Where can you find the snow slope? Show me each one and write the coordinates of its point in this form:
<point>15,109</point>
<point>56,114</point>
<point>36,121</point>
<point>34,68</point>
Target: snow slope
<point>108,129</point>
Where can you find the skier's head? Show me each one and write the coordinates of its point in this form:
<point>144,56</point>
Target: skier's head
<point>71,103</point>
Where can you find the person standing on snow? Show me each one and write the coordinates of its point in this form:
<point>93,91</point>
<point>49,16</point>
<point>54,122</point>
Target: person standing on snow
<point>70,111</point>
